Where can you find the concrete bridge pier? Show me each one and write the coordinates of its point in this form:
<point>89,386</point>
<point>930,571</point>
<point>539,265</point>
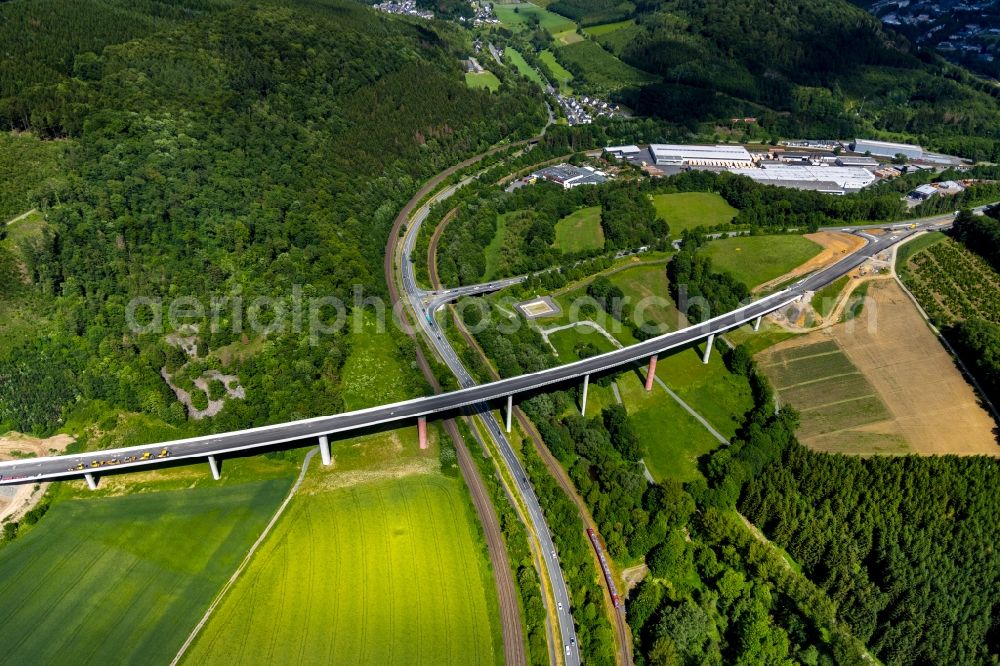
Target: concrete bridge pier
<point>756,323</point>
<point>708,348</point>
<point>651,373</point>
<point>214,464</point>
<point>91,481</point>
<point>510,410</point>
<point>422,431</point>
<point>583,402</point>
<point>324,449</point>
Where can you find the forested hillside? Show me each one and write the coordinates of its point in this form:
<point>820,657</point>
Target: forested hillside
<point>253,149</point>
<point>817,68</point>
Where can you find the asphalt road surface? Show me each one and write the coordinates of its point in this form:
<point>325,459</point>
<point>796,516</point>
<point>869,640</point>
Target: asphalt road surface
<point>24,471</point>
<point>425,318</point>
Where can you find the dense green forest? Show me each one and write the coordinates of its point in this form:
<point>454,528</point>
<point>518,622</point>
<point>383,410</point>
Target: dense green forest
<point>902,545</point>
<point>714,594</point>
<point>252,149</point>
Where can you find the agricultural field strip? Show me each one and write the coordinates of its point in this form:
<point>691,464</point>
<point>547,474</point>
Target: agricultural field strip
<point>817,380</point>
<point>835,402</point>
<point>246,560</point>
<point>802,357</point>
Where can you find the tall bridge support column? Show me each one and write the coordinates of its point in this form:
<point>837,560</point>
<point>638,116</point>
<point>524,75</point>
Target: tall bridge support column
<point>510,410</point>
<point>708,348</point>
<point>583,402</point>
<point>91,481</point>
<point>324,449</point>
<point>214,464</point>
<point>651,372</point>
<point>756,323</point>
<point>422,431</point>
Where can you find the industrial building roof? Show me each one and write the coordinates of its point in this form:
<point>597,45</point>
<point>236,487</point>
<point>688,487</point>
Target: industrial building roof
<point>846,178</point>
<point>569,175</point>
<point>887,148</point>
<point>622,149</point>
<point>696,153</point>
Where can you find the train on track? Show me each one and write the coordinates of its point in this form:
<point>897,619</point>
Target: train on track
<point>596,543</point>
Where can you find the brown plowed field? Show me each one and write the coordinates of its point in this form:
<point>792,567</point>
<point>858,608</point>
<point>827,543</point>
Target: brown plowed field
<point>900,391</point>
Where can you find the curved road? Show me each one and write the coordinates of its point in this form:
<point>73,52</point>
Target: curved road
<point>425,319</point>
<point>54,467</point>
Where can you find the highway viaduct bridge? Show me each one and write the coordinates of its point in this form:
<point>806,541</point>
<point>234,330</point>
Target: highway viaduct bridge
<point>92,464</point>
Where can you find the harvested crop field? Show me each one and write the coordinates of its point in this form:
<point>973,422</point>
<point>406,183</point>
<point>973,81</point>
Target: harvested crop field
<point>881,384</point>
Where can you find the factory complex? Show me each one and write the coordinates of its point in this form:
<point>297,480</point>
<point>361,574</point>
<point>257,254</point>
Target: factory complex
<point>844,169</point>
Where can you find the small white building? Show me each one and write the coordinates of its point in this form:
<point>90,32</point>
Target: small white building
<point>622,152</point>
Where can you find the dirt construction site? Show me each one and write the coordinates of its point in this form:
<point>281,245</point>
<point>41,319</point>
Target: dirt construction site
<point>880,383</point>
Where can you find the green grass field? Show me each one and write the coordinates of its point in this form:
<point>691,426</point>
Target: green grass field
<point>720,397</point>
<point>371,361</point>
<point>568,340</point>
<point>605,28</point>
<point>602,69</point>
<point>580,231</point>
<point>487,80</point>
<point>492,251</point>
<point>22,309</point>
<point>524,16</point>
<point>918,244</point>
<point>672,439</point>
<point>687,210</point>
<point>754,260</point>
<point>369,565</point>
<point>824,299</point>
<point>124,579</point>
<point>526,70</point>
<point>615,37</point>
<point>556,71</point>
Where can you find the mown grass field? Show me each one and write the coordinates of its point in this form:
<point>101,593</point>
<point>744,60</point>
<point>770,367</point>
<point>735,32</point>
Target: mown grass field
<point>378,560</point>
<point>829,391</point>
<point>672,439</point>
<point>580,231</point>
<point>487,80</point>
<point>614,36</point>
<point>526,70</point>
<point>720,397</point>
<point>754,260</point>
<point>569,340</point>
<point>825,299</point>
<point>687,210</point>
<point>124,579</point>
<point>522,17</point>
<point>605,28</point>
<point>647,290</point>
<point>557,72</point>
<point>602,69</point>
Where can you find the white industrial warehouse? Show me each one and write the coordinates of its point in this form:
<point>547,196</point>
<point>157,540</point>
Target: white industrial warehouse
<point>665,154</point>
<point>887,148</point>
<point>829,179</point>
